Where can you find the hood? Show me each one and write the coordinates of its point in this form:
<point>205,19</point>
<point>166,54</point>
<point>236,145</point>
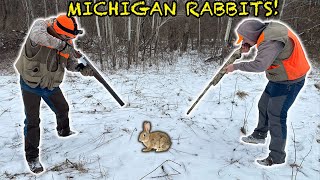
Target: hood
<point>251,29</point>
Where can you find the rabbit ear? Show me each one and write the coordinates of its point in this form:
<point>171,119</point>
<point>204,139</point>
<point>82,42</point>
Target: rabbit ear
<point>146,126</point>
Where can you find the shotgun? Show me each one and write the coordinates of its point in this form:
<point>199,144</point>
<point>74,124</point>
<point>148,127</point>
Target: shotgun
<point>216,79</point>
<point>86,62</point>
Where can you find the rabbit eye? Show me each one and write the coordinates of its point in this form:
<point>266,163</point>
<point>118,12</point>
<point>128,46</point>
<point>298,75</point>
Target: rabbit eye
<point>144,135</point>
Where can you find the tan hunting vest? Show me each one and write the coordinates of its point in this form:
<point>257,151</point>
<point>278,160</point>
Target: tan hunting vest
<point>291,63</point>
<point>40,66</point>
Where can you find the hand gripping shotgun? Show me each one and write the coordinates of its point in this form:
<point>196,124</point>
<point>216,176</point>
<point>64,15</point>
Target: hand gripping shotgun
<point>85,62</point>
<point>216,79</point>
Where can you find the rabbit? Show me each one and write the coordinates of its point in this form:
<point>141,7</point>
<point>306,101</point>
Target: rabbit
<point>160,141</point>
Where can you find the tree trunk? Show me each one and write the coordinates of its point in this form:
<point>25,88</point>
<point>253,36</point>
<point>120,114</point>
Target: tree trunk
<point>156,42</point>
<point>226,46</point>
<point>27,13</point>
<point>129,53</point>
<point>99,42</point>
<point>216,37</point>
<point>112,44</point>
<point>81,44</point>
<point>282,7</point>
<point>172,36</point>
<point>106,43</point>
<point>228,30</point>
<point>5,17</point>
<point>199,35</point>
<point>57,8</point>
<point>45,8</point>
<point>185,36</point>
<point>152,31</point>
<point>137,41</point>
<point>31,10</point>
<point>155,51</point>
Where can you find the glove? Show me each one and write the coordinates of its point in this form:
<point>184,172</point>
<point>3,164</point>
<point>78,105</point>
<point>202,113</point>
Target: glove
<point>86,71</point>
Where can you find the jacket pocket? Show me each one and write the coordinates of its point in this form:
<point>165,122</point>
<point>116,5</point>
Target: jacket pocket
<point>277,73</point>
<point>32,68</point>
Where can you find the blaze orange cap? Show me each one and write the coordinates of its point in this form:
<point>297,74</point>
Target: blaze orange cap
<point>65,26</point>
<point>240,38</point>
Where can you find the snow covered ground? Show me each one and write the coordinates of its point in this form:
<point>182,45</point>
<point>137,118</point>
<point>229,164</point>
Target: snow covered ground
<point>205,144</point>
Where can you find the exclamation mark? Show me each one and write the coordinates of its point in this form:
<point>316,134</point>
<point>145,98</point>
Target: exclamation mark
<point>275,6</point>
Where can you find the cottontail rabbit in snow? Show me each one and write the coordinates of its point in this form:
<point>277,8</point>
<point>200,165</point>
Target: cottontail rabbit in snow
<point>160,141</point>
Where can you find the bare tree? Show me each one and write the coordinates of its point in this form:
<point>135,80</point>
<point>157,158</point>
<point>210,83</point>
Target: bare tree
<point>101,47</point>
<point>228,29</point>
<point>185,36</point>
<point>129,45</point>
<point>29,12</point>
<point>173,36</point>
<point>282,7</point>
<point>5,11</point>
<point>57,7</point>
<point>137,40</point>
<point>199,34</point>
<point>99,42</point>
<point>111,41</point>
<point>45,8</point>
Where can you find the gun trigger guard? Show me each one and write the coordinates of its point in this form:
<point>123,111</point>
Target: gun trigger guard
<point>82,60</point>
<point>80,67</point>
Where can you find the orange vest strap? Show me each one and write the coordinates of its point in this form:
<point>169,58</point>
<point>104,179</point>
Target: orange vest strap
<point>64,55</point>
<point>273,67</point>
<point>260,39</point>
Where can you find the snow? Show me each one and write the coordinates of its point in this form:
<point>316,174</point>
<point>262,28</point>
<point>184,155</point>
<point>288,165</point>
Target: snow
<point>206,144</point>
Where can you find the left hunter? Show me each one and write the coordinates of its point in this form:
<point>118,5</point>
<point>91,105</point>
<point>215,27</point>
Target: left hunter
<point>41,66</point>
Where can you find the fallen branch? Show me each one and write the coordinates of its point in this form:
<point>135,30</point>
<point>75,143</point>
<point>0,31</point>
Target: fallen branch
<point>99,145</point>
<point>160,166</point>
<point>231,162</point>
<point>185,152</point>
<point>135,129</point>
<point>166,175</point>
<point>234,95</point>
<point>184,121</point>
<point>294,165</point>
<point>295,152</point>
<point>4,111</point>
<point>245,121</point>
<point>300,166</point>
<point>219,94</point>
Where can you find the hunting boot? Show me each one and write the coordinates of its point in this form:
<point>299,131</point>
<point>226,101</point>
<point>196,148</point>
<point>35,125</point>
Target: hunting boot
<point>35,166</point>
<point>253,140</point>
<point>267,162</point>
<point>65,132</point>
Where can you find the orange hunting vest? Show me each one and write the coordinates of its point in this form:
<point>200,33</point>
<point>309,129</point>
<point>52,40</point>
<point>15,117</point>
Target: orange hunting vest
<point>294,67</point>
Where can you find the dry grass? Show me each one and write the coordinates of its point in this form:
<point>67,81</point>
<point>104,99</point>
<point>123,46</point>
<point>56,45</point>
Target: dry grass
<point>79,166</point>
<point>8,175</point>
<point>243,130</point>
<point>242,94</point>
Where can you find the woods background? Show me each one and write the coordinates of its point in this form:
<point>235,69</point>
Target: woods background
<point>123,42</point>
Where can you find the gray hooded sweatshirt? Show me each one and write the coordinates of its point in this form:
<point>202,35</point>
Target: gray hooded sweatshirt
<point>267,52</point>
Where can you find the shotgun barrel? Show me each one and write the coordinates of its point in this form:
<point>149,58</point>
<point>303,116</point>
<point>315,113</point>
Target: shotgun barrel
<point>98,77</point>
<point>216,79</point>
<point>87,62</point>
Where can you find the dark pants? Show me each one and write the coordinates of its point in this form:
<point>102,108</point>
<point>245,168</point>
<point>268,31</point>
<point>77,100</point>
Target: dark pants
<point>273,108</point>
<point>31,99</point>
